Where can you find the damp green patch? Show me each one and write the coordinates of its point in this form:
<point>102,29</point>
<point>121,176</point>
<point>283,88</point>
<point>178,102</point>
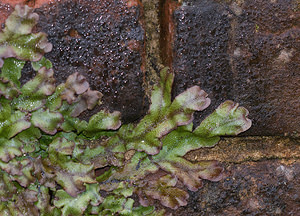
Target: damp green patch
<point>54,163</point>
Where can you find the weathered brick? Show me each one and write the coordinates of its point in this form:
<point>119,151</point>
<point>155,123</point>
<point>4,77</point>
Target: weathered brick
<point>102,40</point>
<point>262,178</point>
<point>246,51</point>
<point>253,188</point>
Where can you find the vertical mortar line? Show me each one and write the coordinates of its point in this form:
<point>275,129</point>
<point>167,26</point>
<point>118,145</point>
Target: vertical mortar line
<point>167,7</point>
<point>153,60</point>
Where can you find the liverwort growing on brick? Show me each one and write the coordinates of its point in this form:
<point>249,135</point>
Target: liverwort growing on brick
<point>49,157</point>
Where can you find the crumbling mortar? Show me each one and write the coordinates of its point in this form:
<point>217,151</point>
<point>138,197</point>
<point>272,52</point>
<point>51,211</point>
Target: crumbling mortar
<point>153,59</point>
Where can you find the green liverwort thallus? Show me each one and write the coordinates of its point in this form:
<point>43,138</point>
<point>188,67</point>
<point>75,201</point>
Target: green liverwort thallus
<point>50,159</point>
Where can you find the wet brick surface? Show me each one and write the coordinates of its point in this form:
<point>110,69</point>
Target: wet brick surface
<point>102,40</point>
<point>246,51</point>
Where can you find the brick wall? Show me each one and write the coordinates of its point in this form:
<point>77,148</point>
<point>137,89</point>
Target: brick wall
<point>243,50</point>
<point>246,51</point>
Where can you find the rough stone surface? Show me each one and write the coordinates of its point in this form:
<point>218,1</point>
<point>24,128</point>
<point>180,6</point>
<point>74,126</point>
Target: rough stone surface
<point>102,40</point>
<point>247,51</point>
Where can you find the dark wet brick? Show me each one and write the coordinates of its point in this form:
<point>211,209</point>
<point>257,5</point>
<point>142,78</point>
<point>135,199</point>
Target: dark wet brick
<point>102,40</point>
<point>255,188</point>
<point>247,52</point>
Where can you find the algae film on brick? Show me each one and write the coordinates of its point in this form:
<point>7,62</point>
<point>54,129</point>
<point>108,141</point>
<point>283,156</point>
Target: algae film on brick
<point>54,163</point>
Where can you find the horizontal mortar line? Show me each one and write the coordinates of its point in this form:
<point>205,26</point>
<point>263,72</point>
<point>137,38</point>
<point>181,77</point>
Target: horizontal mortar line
<point>262,136</point>
<point>238,150</point>
<point>262,160</point>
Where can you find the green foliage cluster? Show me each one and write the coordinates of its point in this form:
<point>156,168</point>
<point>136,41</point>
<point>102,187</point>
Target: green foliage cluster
<point>54,163</point>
